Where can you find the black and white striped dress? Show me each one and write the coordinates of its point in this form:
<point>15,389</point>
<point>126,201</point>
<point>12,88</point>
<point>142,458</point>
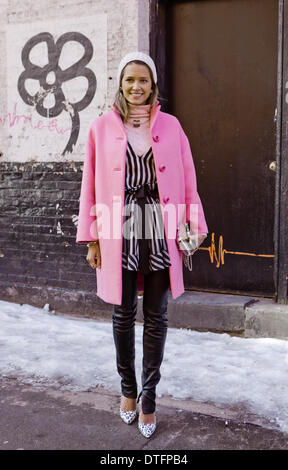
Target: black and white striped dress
<point>139,174</point>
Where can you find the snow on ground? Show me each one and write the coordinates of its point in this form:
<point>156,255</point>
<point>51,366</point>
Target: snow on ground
<point>74,353</point>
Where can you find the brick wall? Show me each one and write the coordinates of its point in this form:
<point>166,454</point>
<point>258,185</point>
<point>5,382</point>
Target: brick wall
<point>39,258</point>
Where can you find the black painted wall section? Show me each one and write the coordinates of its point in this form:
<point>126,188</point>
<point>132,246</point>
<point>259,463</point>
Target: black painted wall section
<point>40,261</point>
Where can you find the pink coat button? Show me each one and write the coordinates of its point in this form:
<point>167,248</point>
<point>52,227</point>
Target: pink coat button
<point>156,138</point>
<point>162,168</point>
<point>165,200</point>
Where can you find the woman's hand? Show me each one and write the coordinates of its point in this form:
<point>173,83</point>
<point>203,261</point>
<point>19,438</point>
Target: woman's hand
<point>94,256</point>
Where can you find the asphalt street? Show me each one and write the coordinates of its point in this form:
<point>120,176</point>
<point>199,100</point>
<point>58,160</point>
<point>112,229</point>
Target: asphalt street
<point>40,417</point>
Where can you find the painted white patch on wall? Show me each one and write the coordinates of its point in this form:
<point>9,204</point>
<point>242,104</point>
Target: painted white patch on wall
<point>56,86</point>
<point>75,220</point>
<point>59,229</point>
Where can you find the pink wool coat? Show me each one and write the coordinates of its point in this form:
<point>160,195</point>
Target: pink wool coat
<point>102,194</point>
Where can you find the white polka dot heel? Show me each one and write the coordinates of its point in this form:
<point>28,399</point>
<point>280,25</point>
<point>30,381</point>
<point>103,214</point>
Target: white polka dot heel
<point>128,416</point>
<point>146,429</point>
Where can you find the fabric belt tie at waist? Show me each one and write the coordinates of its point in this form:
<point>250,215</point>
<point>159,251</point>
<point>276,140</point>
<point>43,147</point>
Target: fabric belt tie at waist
<point>143,191</point>
<point>140,194</point>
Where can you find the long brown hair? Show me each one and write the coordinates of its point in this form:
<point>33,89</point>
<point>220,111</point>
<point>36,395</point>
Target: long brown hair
<point>120,100</point>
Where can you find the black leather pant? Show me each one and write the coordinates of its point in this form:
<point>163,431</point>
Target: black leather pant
<point>155,301</point>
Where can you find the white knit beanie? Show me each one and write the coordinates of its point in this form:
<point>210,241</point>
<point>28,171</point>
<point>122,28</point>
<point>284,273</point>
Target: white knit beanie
<point>137,56</point>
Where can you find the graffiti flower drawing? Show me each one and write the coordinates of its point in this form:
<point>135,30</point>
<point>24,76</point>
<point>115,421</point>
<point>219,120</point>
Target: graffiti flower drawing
<point>78,69</point>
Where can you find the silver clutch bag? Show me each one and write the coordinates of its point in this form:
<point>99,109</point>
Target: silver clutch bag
<point>186,243</point>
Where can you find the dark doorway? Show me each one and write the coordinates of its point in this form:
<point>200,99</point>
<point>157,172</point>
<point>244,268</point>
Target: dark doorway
<point>221,83</point>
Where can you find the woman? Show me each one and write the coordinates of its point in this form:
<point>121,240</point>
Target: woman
<point>138,184</point>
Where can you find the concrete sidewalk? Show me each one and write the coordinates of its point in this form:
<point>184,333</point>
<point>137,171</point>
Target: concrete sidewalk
<point>241,315</point>
<point>249,317</point>
<point>40,417</point>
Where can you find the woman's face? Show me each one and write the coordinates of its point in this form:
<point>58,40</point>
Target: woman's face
<point>136,83</point>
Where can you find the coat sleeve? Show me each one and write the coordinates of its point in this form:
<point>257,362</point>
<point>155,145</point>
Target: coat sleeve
<point>87,228</point>
<point>194,209</point>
